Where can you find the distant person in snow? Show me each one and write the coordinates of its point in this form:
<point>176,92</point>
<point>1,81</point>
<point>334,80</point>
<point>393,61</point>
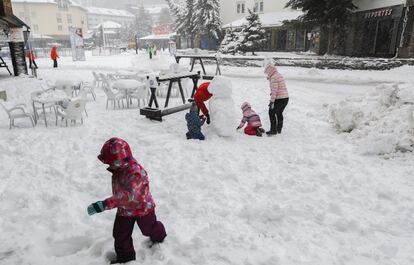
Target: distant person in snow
<point>254,123</point>
<point>194,123</point>
<point>132,197</point>
<point>155,49</point>
<point>31,56</point>
<point>279,99</point>
<point>54,56</point>
<point>150,51</point>
<point>202,95</point>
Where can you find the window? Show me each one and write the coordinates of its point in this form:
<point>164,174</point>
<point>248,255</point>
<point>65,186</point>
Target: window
<point>35,27</point>
<point>241,7</point>
<point>62,4</point>
<point>258,6</point>
<point>59,18</point>
<point>33,14</point>
<point>60,27</point>
<point>69,18</point>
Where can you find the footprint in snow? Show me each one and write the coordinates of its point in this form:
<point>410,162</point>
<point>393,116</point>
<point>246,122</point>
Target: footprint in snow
<point>69,246</point>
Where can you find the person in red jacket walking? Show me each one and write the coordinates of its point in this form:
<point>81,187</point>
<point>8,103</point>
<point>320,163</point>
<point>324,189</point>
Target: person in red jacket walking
<point>132,198</point>
<point>54,55</point>
<point>200,97</point>
<point>31,56</point>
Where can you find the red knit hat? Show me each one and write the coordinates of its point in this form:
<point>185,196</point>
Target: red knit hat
<point>115,152</point>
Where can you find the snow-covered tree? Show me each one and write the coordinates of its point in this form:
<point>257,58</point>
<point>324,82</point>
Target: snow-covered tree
<point>331,15</point>
<point>231,42</point>
<point>184,14</point>
<point>195,17</point>
<point>207,17</point>
<point>165,16</point>
<point>143,23</point>
<point>252,34</point>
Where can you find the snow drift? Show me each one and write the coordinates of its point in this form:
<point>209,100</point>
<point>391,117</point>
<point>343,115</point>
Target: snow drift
<point>382,122</point>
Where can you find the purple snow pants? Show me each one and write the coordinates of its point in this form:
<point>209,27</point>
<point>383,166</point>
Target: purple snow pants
<point>122,233</point>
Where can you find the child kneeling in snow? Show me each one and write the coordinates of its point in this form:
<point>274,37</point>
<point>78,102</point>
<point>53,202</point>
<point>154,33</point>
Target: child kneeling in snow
<point>253,121</point>
<point>194,123</point>
<point>131,195</point>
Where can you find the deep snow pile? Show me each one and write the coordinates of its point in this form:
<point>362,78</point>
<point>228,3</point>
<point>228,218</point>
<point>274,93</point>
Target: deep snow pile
<point>301,198</point>
<point>382,122</point>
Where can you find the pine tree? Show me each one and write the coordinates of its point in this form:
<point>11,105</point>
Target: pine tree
<point>143,23</point>
<point>207,17</point>
<point>331,15</point>
<point>252,34</point>
<point>164,16</point>
<point>230,43</point>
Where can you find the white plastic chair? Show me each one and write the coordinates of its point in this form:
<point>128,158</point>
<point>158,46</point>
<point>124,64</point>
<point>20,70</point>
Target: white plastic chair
<point>73,111</point>
<point>16,111</point>
<point>97,80</point>
<point>115,97</point>
<point>66,86</point>
<point>88,88</point>
<point>140,94</point>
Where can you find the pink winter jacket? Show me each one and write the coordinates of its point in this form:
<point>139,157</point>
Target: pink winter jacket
<point>249,116</point>
<point>277,83</point>
<point>130,183</point>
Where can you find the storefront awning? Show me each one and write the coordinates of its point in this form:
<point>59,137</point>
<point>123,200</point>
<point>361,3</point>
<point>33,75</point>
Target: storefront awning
<point>13,22</point>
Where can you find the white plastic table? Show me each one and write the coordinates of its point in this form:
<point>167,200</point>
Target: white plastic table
<point>47,97</point>
<point>126,74</point>
<point>128,86</point>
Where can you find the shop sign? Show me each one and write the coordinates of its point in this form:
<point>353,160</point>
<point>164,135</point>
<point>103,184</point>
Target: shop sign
<point>379,13</point>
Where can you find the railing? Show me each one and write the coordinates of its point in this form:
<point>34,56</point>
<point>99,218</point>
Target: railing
<point>106,51</point>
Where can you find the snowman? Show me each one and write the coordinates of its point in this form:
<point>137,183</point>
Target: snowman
<point>221,106</point>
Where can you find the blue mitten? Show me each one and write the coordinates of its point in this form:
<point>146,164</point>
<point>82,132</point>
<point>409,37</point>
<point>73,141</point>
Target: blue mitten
<point>96,207</point>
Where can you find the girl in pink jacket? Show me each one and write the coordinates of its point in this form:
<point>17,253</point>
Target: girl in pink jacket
<point>131,196</point>
<point>253,121</point>
<point>279,99</point>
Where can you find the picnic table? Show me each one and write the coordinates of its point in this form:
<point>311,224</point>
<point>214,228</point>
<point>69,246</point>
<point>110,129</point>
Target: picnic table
<point>171,79</point>
<point>128,86</point>
<point>156,113</point>
<point>47,97</point>
<point>200,57</point>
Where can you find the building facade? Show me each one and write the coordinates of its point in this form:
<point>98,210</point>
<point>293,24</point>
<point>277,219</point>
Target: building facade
<point>51,18</point>
<point>272,14</point>
<point>232,10</point>
<point>382,28</point>
<point>98,15</point>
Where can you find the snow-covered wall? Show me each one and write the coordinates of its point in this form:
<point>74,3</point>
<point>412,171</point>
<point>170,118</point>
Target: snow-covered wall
<point>373,4</point>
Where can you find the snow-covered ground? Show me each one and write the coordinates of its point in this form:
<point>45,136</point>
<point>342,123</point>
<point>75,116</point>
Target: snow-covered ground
<point>309,196</point>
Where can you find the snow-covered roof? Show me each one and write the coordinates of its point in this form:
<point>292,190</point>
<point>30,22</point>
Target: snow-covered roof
<point>109,25</point>
<point>44,2</point>
<point>109,12</point>
<point>159,37</point>
<point>151,9</point>
<point>271,19</point>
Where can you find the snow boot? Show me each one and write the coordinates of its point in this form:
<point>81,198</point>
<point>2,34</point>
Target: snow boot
<point>208,119</point>
<point>259,132</point>
<point>270,133</point>
<point>120,262</point>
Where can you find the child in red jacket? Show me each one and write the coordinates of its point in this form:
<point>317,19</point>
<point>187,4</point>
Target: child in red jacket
<point>131,195</point>
<point>200,97</point>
